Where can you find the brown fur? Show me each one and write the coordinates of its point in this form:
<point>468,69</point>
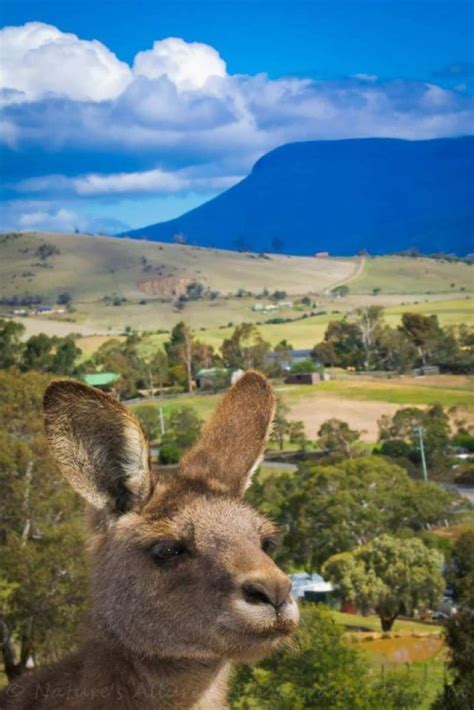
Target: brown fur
<point>162,635</point>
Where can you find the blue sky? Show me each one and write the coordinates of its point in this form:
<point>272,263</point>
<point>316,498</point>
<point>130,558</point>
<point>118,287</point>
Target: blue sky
<point>108,123</point>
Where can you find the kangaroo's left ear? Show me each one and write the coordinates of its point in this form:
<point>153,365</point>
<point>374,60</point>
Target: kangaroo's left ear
<point>232,444</point>
<point>99,446</point>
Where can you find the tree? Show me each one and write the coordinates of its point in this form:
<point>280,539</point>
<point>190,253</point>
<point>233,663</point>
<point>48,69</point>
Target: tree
<point>158,369</point>
<point>336,437</point>
<point>183,427</point>
<point>340,291</point>
<point>64,299</point>
<point>395,351</point>
<point>326,509</point>
<point>297,434</point>
<point>423,331</point>
<point>404,425</point>
<point>461,564</point>
<point>50,354</point>
<point>180,350</point>
<point>369,321</point>
<point>434,345</point>
<point>38,353</point>
<point>342,344</point>
<point>169,454</point>
<point>65,357</point>
<point>189,354</point>
<point>149,418</point>
<point>396,449</point>
<point>319,671</point>
<point>304,366</point>
<point>42,585</point>
<point>125,359</point>
<point>281,425</point>
<point>390,575</point>
<point>245,348</point>
<point>10,342</point>
<point>458,691</point>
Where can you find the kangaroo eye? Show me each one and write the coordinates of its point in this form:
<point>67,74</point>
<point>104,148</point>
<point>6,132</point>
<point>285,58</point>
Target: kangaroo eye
<point>268,544</point>
<point>164,550</point>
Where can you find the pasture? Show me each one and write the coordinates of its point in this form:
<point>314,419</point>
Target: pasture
<point>360,401</point>
<point>115,283</point>
<point>89,267</point>
<point>405,275</point>
<point>306,332</point>
<point>413,649</point>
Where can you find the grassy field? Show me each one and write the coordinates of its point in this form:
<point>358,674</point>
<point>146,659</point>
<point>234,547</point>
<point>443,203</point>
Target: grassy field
<point>359,401</point>
<point>415,651</point>
<point>150,276</point>
<point>351,622</point>
<point>403,275</point>
<point>402,391</point>
<point>305,333</point>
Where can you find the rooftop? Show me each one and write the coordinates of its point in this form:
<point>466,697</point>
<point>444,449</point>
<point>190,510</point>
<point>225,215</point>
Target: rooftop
<point>101,379</point>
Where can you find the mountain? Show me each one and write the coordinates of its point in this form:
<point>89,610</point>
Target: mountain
<point>380,194</point>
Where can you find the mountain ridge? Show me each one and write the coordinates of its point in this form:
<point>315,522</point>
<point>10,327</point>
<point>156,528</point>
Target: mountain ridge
<point>381,195</point>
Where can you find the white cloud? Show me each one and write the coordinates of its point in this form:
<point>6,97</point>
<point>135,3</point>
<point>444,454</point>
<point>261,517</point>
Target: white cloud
<point>148,181</point>
<point>44,216</point>
<point>177,121</point>
<point>38,59</point>
<point>188,65</point>
<point>57,220</point>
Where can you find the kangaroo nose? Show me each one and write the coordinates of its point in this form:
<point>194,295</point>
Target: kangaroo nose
<point>274,592</point>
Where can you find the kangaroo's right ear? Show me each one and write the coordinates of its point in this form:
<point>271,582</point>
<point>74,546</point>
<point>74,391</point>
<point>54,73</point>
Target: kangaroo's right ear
<point>232,443</point>
<point>98,445</point>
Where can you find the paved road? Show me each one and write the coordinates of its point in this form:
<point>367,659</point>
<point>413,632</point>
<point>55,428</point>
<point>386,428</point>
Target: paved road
<point>466,491</point>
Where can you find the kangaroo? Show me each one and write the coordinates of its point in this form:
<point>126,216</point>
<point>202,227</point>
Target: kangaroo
<point>182,585</point>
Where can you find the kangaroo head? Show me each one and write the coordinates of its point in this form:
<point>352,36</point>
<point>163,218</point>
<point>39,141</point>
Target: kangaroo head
<point>181,568</point>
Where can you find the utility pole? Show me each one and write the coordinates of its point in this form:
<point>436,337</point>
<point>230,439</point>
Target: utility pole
<point>162,421</point>
<point>419,430</point>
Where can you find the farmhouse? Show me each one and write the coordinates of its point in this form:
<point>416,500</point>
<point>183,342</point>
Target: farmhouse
<point>311,587</point>
<point>213,378</point>
<point>303,378</point>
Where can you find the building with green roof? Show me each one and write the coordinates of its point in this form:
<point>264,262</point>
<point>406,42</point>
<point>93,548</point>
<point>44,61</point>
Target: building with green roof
<point>102,380</point>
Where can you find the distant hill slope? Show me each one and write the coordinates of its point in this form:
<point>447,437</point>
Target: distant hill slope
<point>382,195</point>
<point>90,268</point>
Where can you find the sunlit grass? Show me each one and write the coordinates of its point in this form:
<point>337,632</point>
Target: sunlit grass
<point>372,622</point>
<point>393,391</point>
<point>395,274</point>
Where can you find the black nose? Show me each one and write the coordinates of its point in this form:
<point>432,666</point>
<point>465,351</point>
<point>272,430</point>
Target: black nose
<point>273,592</point>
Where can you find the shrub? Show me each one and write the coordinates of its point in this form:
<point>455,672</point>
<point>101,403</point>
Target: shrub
<point>304,366</point>
<point>464,440</point>
<point>395,449</point>
<point>169,454</point>
<point>319,671</point>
